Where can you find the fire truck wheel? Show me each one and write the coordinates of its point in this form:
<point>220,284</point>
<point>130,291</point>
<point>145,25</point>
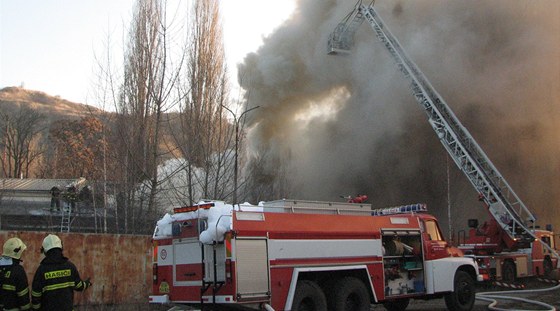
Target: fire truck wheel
<point>349,294</point>
<point>462,298</point>
<point>309,297</point>
<point>397,305</point>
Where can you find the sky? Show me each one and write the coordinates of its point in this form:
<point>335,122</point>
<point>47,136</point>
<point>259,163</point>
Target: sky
<point>51,45</point>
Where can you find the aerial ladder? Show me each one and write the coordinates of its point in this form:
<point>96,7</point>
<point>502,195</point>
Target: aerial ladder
<point>505,206</point>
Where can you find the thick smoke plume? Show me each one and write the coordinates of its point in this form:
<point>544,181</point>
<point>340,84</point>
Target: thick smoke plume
<point>347,125</point>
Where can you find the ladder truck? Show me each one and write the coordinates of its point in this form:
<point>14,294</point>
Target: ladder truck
<point>508,246</point>
<point>306,255</point>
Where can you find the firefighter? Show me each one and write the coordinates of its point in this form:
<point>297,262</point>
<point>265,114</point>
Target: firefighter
<point>14,289</point>
<point>55,198</point>
<point>70,198</point>
<point>56,279</point>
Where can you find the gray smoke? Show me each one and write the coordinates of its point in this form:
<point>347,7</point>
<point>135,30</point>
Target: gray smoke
<point>347,125</point>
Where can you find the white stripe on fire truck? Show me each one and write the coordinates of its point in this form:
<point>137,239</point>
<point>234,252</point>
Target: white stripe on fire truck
<point>189,253</point>
<point>293,249</point>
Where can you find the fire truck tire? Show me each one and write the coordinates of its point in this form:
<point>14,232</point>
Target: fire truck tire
<point>349,294</point>
<point>462,298</point>
<point>508,272</point>
<point>309,297</point>
<point>396,305</point>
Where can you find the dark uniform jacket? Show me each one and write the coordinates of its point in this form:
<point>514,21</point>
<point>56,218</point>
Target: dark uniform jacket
<point>14,289</point>
<point>54,283</point>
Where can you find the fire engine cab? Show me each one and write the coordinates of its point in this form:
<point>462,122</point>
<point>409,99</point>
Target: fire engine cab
<point>307,255</point>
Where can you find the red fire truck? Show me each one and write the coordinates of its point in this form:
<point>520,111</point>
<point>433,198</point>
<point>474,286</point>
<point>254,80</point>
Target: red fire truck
<point>307,255</point>
<point>505,261</point>
<point>508,246</point>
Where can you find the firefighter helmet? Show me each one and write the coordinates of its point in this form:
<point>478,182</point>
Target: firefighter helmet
<point>51,241</point>
<point>13,248</point>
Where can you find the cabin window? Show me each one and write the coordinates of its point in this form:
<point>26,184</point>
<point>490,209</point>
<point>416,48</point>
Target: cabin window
<point>547,240</point>
<point>432,230</point>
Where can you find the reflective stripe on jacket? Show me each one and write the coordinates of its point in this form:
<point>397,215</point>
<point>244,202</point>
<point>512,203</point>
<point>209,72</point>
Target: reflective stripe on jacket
<point>54,283</point>
<point>14,291</point>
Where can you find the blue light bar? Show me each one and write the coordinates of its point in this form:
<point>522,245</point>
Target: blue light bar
<point>404,209</point>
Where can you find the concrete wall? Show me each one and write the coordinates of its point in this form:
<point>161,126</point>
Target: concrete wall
<point>120,266</point>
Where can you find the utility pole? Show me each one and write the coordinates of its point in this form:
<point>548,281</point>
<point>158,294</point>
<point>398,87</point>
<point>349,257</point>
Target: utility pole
<point>235,167</point>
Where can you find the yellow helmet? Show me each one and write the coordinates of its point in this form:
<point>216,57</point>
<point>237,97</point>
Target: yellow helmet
<point>51,241</point>
<point>13,248</point>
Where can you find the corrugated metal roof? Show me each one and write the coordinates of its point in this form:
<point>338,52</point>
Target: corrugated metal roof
<point>31,184</point>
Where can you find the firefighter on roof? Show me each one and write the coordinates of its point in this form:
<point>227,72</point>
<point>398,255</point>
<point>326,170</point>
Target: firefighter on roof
<point>14,290</point>
<point>55,198</point>
<point>56,279</point>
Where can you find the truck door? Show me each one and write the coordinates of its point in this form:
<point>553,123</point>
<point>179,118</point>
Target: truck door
<point>187,268</point>
<point>435,246</point>
<point>252,269</point>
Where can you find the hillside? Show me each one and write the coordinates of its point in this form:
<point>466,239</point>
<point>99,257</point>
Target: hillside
<point>53,107</point>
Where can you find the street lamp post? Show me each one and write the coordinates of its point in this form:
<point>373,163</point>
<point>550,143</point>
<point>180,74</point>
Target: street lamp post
<point>235,165</point>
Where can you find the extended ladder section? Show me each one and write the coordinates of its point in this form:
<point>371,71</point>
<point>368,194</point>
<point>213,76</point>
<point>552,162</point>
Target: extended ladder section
<point>504,205</point>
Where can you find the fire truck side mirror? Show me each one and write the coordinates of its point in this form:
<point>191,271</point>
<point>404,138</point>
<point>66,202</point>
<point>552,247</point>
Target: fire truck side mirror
<point>549,227</point>
<point>473,223</point>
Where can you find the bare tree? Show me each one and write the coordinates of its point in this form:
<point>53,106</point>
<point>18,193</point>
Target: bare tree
<point>205,138</point>
<point>19,133</point>
<point>144,98</point>
<point>155,78</point>
<point>106,92</point>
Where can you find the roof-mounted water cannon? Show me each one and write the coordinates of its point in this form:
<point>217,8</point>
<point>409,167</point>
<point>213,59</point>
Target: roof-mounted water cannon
<point>361,198</point>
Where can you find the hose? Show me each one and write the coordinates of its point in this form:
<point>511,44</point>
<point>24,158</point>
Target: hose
<point>267,307</point>
<point>502,295</point>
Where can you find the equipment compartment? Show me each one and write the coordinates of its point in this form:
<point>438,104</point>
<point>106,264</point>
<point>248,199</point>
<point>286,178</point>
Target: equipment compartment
<point>402,263</point>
